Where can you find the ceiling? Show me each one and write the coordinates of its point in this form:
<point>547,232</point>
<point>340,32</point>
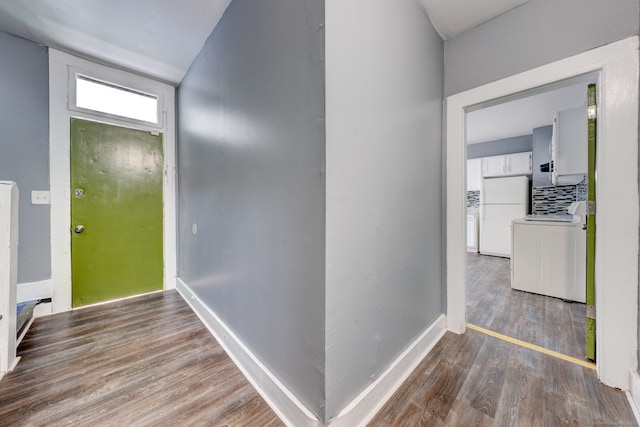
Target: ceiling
<point>161,38</point>
<point>158,38</point>
<point>453,17</point>
<point>520,117</point>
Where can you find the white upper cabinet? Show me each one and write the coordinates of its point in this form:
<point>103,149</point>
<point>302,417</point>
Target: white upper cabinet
<point>507,165</point>
<point>569,146</point>
<point>474,174</point>
<point>493,166</point>
<point>519,163</point>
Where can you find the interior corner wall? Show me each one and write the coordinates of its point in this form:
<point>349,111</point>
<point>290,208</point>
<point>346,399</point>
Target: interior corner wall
<point>251,152</point>
<point>533,34</point>
<point>384,282</point>
<point>24,147</point>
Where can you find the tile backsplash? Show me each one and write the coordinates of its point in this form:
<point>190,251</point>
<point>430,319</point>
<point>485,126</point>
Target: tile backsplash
<point>556,200</point>
<point>473,199</point>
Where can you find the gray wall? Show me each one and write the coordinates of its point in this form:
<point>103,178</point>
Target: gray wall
<point>536,33</point>
<point>251,176</point>
<point>517,144</point>
<point>384,188</point>
<point>24,147</point>
<point>541,155</point>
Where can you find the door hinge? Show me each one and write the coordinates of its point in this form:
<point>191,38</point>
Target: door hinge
<point>591,207</point>
<point>592,112</point>
<point>591,312</point>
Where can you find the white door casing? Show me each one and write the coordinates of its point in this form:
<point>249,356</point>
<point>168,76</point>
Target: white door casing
<point>61,66</point>
<point>616,68</point>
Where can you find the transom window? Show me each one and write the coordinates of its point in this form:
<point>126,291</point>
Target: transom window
<point>108,98</point>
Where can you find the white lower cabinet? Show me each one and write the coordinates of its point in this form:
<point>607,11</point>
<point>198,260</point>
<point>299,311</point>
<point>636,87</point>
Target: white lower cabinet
<point>549,258</point>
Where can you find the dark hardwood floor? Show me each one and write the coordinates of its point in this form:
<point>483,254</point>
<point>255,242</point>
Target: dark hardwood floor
<point>544,321</point>
<point>146,361</point>
<point>149,361</point>
<point>477,380</point>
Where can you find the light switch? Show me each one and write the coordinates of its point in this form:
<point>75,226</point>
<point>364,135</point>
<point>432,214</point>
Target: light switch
<point>40,197</point>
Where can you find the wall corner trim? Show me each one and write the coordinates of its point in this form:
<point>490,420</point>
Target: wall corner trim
<point>633,395</point>
<point>290,410</point>
<point>367,404</point>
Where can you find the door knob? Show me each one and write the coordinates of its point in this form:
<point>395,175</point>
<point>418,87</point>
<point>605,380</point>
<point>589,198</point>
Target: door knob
<point>79,229</point>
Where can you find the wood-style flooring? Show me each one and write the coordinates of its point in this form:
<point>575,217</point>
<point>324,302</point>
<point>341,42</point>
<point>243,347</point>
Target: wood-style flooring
<point>537,319</point>
<point>477,380</point>
<point>149,361</point>
<point>145,361</point>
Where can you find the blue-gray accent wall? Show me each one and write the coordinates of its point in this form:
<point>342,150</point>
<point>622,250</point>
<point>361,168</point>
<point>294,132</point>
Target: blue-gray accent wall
<point>517,144</point>
<point>251,157</point>
<point>24,147</point>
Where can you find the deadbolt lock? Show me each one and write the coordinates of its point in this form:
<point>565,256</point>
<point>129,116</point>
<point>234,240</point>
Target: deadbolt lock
<point>79,229</point>
<point>79,192</point>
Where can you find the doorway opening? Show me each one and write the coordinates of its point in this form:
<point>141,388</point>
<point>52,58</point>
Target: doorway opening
<point>526,220</point>
<point>616,263</point>
<point>152,119</point>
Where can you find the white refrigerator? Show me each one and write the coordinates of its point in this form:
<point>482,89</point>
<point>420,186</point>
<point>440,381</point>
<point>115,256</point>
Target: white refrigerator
<point>501,201</point>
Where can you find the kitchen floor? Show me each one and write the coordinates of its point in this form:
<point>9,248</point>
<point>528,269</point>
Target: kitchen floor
<point>537,319</point>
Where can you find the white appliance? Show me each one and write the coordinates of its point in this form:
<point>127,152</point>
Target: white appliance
<point>549,257</point>
<point>472,232</point>
<point>501,201</point>
<point>8,273</point>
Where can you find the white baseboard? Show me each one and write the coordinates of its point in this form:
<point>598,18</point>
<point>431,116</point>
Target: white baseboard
<point>360,411</point>
<point>34,291</point>
<point>279,398</point>
<point>43,309</point>
<point>364,407</point>
<point>634,394</point>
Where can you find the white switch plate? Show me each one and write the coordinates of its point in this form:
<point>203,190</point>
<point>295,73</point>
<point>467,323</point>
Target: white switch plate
<point>40,198</point>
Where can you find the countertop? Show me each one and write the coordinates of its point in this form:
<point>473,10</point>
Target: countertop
<point>541,221</point>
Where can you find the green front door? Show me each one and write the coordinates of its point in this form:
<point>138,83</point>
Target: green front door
<point>116,212</point>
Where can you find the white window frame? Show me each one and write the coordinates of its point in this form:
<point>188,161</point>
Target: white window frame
<point>62,70</point>
<point>617,66</point>
<point>100,77</point>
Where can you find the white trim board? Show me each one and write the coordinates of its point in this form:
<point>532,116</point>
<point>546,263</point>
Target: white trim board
<point>367,404</point>
<point>290,410</point>
<point>60,66</point>
<point>9,200</point>
<point>616,65</point>
<point>633,395</point>
<point>34,291</point>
